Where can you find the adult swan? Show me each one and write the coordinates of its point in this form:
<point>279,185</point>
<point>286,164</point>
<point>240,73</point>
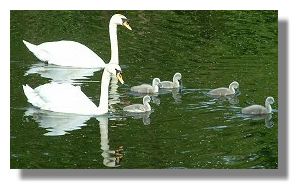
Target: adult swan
<point>74,54</point>
<point>67,98</point>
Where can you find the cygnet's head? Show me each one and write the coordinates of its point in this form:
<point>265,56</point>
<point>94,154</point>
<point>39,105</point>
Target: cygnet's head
<point>119,19</point>
<point>115,69</point>
<point>146,99</point>
<point>270,100</point>
<point>177,76</point>
<point>155,82</point>
<point>234,85</point>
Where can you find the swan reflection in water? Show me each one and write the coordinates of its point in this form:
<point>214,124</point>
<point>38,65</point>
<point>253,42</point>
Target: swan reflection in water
<point>154,97</point>
<point>111,158</point>
<point>60,73</point>
<point>232,99</point>
<point>114,96</point>
<point>145,116</point>
<point>269,123</point>
<point>58,124</point>
<point>176,93</point>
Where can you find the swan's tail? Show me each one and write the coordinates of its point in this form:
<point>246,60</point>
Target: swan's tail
<point>38,52</point>
<point>32,97</point>
<point>30,46</point>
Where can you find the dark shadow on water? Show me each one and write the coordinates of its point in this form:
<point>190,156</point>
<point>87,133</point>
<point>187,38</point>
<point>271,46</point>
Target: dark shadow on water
<point>280,173</point>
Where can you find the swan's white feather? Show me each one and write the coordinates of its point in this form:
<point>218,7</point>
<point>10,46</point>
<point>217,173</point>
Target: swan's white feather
<point>66,53</point>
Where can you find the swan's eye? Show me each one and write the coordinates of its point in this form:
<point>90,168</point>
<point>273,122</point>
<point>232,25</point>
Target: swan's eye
<point>124,20</point>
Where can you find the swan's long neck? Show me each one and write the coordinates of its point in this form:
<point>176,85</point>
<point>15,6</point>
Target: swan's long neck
<point>231,87</point>
<point>147,106</point>
<point>268,107</point>
<point>104,93</point>
<point>114,43</point>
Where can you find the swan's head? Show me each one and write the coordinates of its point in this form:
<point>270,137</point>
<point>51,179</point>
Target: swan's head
<point>115,69</point>
<point>234,85</point>
<point>146,99</point>
<point>119,19</point>
<point>270,100</point>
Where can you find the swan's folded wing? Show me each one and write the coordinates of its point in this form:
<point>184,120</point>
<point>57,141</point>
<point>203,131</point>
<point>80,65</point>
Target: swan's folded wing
<point>71,53</point>
<point>64,98</point>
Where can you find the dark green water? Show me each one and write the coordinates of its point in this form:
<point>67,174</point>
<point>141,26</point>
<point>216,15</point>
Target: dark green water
<point>187,129</point>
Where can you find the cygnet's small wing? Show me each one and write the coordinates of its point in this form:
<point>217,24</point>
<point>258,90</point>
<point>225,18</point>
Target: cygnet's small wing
<point>144,88</point>
<point>135,108</point>
<point>220,92</point>
<point>166,85</point>
<point>254,110</point>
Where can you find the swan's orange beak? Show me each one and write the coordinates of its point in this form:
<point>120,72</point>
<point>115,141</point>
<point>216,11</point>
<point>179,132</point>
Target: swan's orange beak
<point>127,25</point>
<point>119,77</point>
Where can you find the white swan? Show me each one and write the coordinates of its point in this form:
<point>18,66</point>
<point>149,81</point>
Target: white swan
<point>139,108</point>
<point>171,84</point>
<point>74,54</point>
<point>146,88</point>
<point>222,91</point>
<point>67,98</point>
<point>258,109</point>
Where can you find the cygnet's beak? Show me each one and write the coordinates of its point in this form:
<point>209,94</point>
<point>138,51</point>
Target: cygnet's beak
<point>127,25</point>
<point>180,82</point>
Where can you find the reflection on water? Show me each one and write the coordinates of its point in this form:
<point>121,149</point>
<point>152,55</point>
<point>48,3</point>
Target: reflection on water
<point>176,93</point>
<point>145,116</point>
<point>154,97</point>
<point>269,123</point>
<point>114,96</point>
<point>60,74</point>
<point>232,99</point>
<point>56,123</point>
<point>111,158</point>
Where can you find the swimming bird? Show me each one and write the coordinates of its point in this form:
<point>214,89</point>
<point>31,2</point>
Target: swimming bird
<point>74,54</point>
<point>222,91</point>
<point>258,109</point>
<point>66,98</point>
<point>171,84</point>
<point>139,108</point>
<point>146,88</point>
